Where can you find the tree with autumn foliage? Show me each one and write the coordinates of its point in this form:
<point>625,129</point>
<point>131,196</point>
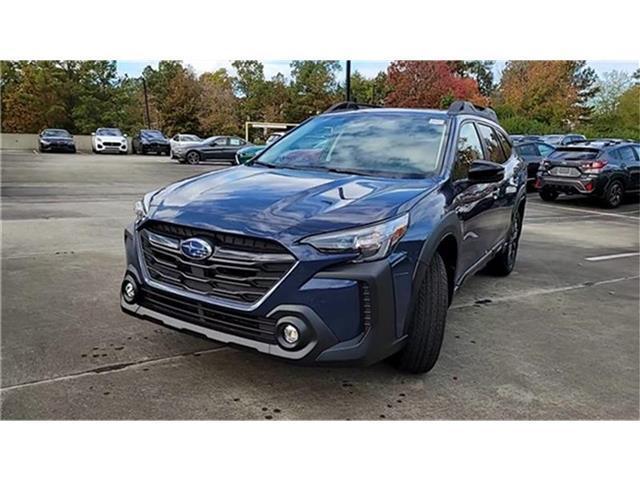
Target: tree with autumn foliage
<point>429,84</point>
<point>551,93</point>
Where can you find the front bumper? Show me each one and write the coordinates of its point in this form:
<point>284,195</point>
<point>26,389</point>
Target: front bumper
<point>157,148</point>
<point>102,148</point>
<point>58,147</point>
<point>349,314</point>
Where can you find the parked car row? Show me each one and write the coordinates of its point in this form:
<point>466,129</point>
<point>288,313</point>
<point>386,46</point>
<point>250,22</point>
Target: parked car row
<point>555,139</point>
<point>186,148</point>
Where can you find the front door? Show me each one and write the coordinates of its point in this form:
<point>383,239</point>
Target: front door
<point>472,203</point>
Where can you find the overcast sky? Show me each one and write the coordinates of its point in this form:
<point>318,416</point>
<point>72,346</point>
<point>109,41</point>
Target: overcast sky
<point>367,68</point>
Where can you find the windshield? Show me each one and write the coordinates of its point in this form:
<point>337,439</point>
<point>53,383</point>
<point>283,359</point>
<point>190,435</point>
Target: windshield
<point>152,134</point>
<point>109,132</point>
<point>575,154</point>
<point>56,133</point>
<point>404,144</point>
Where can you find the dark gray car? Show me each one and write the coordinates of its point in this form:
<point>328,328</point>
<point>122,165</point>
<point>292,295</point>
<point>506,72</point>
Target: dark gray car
<point>533,153</point>
<point>219,148</point>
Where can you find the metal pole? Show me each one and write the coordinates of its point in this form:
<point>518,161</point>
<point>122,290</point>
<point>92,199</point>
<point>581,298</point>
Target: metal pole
<point>348,81</point>
<point>146,102</point>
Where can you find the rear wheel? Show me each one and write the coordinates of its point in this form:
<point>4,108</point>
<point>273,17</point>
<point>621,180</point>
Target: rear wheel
<point>548,195</point>
<point>614,194</point>
<point>504,261</point>
<point>193,158</point>
<point>426,325</point>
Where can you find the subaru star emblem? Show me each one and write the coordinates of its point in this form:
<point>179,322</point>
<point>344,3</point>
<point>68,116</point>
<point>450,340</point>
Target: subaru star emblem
<point>196,248</point>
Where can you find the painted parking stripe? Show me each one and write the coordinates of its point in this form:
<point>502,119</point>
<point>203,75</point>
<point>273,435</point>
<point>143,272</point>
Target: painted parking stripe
<point>584,210</point>
<point>611,257</point>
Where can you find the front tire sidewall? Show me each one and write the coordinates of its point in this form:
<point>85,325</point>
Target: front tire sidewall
<point>427,321</point>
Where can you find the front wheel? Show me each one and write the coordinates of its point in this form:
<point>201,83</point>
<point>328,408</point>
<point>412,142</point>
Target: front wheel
<point>426,325</point>
<point>193,158</point>
<point>504,261</point>
<point>614,194</point>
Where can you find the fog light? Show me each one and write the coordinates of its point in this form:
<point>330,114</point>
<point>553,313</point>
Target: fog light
<point>290,334</point>
<point>129,291</point>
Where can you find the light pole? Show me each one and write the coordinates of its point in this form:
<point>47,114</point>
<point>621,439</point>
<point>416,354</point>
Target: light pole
<point>348,81</point>
<point>146,102</point>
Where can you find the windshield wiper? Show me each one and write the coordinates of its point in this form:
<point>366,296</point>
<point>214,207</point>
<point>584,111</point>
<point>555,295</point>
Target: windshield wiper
<point>348,171</point>
<point>264,164</point>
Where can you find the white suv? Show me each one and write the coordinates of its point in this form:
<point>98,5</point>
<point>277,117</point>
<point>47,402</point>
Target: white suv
<point>180,141</point>
<point>109,140</point>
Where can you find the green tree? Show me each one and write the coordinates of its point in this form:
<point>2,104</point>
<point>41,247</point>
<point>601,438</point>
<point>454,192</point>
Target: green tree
<point>628,111</point>
<point>610,87</point>
<point>314,87</point>
<point>250,86</point>
<point>369,90</point>
<point>175,96</point>
<point>219,113</point>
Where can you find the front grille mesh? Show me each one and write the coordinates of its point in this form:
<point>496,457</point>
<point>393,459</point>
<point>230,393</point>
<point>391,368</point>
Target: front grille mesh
<point>241,268</point>
<point>199,313</point>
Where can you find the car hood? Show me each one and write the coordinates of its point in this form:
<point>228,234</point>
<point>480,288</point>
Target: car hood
<point>110,138</point>
<point>283,204</point>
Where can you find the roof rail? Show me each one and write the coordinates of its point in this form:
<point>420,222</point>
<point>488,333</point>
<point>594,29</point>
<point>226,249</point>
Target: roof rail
<point>461,106</point>
<point>342,106</point>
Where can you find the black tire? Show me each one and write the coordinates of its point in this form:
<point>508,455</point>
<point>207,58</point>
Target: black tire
<point>426,325</point>
<point>502,264</point>
<point>548,195</point>
<point>193,158</point>
<point>613,194</point>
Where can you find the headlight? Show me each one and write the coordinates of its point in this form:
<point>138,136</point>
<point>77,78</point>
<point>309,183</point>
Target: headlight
<point>370,243</point>
<point>141,207</point>
<point>44,142</point>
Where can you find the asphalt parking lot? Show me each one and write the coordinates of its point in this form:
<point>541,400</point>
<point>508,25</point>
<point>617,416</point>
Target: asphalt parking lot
<point>558,339</point>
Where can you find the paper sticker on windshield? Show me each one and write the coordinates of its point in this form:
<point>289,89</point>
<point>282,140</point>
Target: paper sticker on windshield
<point>436,121</point>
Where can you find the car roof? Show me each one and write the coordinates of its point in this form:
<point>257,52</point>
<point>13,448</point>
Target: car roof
<point>593,145</point>
<point>457,108</point>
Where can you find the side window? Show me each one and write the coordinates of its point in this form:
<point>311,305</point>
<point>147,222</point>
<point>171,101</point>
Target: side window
<point>469,149</point>
<point>506,146</point>
<point>545,150</point>
<point>492,143</point>
<point>235,142</point>
<point>220,142</point>
<point>637,149</point>
<point>626,155</point>
<point>527,150</point>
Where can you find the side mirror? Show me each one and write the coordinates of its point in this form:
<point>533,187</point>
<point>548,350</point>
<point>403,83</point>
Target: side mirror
<point>482,171</point>
<point>93,134</point>
<point>125,135</point>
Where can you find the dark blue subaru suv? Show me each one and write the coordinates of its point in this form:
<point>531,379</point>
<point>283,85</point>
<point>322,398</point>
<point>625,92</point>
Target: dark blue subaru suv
<point>341,243</point>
